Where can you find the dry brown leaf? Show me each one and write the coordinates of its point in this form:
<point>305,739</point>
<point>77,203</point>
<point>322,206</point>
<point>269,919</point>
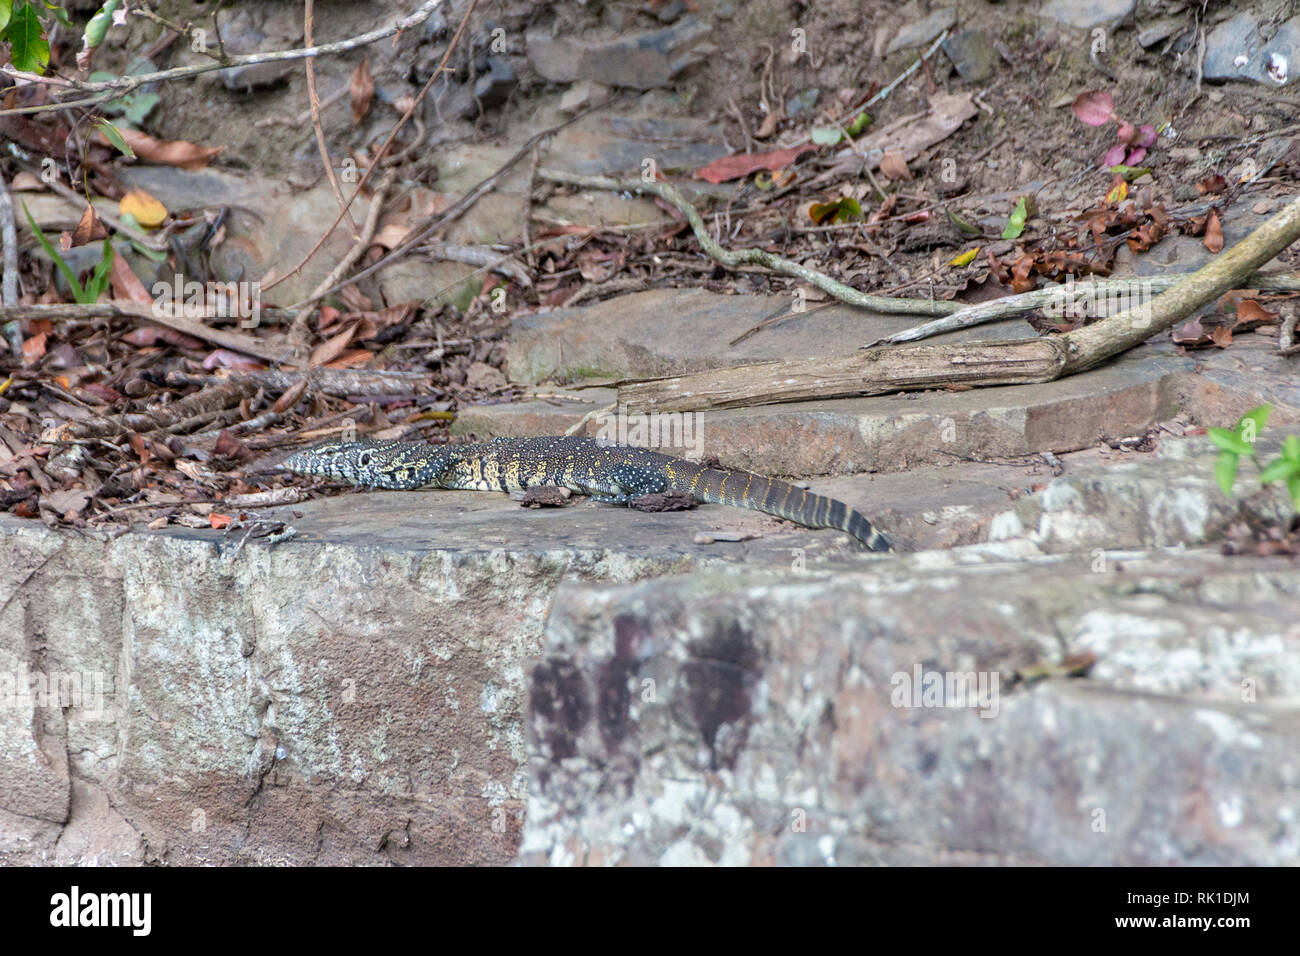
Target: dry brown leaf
<point>742,164</point>
<point>353,359</point>
<point>169,152</point>
<point>1249,310</point>
<point>1221,336</point>
<point>34,349</point>
<point>1213,232</point>
<point>362,90</point>
<point>894,166</point>
<point>125,284</point>
<point>89,229</point>
<point>332,347</point>
<point>911,135</point>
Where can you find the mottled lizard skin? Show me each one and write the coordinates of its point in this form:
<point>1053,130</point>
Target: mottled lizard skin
<point>613,473</point>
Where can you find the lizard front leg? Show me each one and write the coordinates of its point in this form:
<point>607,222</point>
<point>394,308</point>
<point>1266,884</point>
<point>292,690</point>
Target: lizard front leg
<point>626,482</point>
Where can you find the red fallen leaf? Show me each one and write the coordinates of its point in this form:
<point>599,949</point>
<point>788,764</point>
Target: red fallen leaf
<point>353,359</point>
<point>148,335</point>
<point>1020,281</point>
<point>143,450</point>
<point>220,522</point>
<point>924,215</point>
<point>1212,184</point>
<point>1094,107</point>
<point>997,269</point>
<point>327,317</point>
<point>1221,336</point>
<point>126,284</point>
<point>224,358</point>
<point>1213,232</point>
<point>99,390</point>
<point>34,349</point>
<point>230,446</point>
<point>742,164</point>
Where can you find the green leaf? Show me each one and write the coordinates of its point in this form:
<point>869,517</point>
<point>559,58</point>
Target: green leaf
<point>153,255</point>
<point>99,278</point>
<point>77,291</point>
<point>826,135</point>
<point>29,51</point>
<point>961,224</point>
<point>1225,471</point>
<point>1293,486</point>
<point>1291,448</point>
<point>59,13</point>
<point>137,106</point>
<point>1230,441</point>
<point>839,210</point>
<point>1256,417</point>
<point>1279,469</point>
<point>1016,224</point>
<point>114,136</point>
<point>6,8</point>
<point>98,26</point>
<point>860,122</point>
<point>1130,173</point>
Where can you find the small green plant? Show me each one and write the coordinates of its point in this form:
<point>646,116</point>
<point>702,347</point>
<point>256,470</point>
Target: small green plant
<point>1239,442</point>
<point>98,281</point>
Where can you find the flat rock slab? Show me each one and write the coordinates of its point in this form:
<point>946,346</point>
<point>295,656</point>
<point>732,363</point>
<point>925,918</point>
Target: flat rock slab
<point>875,717</point>
<point>675,331</point>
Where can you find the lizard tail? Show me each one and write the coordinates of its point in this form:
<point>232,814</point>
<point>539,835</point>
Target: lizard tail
<point>740,489</point>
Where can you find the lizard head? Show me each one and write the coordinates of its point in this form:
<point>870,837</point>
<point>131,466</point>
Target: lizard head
<point>390,464</point>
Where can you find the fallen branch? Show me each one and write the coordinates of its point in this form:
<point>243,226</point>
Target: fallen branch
<point>339,382</point>
<point>235,341</point>
<point>732,258</point>
<point>1013,305</point>
<point>216,399</point>
<point>120,86</point>
<point>1025,361</point>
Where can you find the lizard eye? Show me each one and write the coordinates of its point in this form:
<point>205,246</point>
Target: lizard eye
<point>364,460</point>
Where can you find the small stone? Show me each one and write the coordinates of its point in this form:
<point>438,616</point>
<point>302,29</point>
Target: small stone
<point>972,55</point>
<point>802,101</point>
<point>483,376</point>
<point>581,95</point>
<point>492,88</point>
<point>923,31</point>
<point>1085,15</point>
<point>1262,208</point>
<point>669,12</point>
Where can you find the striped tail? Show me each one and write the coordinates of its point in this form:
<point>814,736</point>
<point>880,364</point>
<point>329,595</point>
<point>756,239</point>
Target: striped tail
<point>740,489</point>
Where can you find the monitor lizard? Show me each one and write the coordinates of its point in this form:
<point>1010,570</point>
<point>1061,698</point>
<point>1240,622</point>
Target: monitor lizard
<point>606,472</point>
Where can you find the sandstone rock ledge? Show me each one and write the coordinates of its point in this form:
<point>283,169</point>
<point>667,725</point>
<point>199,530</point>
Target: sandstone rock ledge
<point>449,678</point>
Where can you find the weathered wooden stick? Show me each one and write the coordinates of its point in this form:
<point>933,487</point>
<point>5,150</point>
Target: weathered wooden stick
<point>1025,361</point>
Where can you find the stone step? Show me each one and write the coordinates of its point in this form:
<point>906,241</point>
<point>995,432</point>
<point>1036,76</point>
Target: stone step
<point>889,433</point>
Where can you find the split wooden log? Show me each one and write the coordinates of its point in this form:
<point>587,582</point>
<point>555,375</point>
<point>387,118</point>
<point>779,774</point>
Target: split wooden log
<point>1024,361</point>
